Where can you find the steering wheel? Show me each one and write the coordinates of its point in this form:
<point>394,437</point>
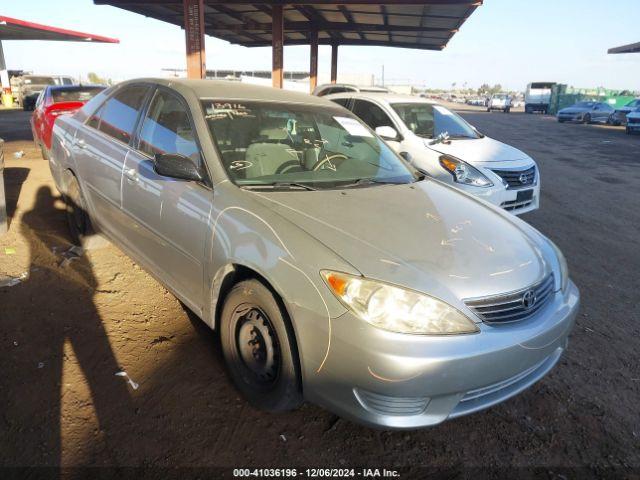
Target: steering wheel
<point>320,163</point>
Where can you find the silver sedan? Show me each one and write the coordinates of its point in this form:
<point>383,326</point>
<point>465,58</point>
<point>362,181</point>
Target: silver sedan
<point>332,269</point>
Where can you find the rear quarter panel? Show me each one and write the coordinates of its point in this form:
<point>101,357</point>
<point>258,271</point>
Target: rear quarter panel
<point>61,153</point>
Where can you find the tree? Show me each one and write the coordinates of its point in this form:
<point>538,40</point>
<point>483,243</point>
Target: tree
<point>95,78</point>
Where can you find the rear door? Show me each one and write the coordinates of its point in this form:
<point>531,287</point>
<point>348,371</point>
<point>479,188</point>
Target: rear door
<point>100,148</point>
<point>168,216</point>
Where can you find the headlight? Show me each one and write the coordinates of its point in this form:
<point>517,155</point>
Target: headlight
<point>562,264</point>
<point>397,309</point>
<point>463,172</point>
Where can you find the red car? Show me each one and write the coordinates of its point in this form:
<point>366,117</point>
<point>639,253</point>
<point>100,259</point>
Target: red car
<point>53,101</point>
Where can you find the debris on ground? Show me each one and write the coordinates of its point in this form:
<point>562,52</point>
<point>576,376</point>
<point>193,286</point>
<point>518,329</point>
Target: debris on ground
<point>72,253</point>
<point>283,438</point>
<point>12,281</point>
<point>9,250</point>
<point>40,364</point>
<point>133,384</point>
<point>19,154</point>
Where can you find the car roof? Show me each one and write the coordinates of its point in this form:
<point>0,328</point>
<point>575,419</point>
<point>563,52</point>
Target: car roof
<point>382,97</point>
<point>228,90</point>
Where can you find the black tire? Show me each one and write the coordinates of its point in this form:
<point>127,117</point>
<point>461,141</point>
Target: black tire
<point>628,130</point>
<point>259,347</point>
<point>78,219</point>
<point>489,110</point>
<point>586,119</point>
<point>527,109</point>
<point>560,120</point>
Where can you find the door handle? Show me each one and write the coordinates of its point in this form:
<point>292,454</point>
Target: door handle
<point>131,175</point>
<point>80,143</point>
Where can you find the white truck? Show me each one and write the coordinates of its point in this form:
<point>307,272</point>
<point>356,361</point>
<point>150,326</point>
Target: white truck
<point>538,97</point>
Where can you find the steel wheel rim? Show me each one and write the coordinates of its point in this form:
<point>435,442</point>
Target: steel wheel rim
<point>257,345</point>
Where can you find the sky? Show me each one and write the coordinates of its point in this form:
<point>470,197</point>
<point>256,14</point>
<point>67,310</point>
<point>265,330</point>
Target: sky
<point>510,42</point>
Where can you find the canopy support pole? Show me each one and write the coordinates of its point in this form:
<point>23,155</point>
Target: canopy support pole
<point>277,19</point>
<point>194,35</point>
<point>334,63</point>
<point>313,67</point>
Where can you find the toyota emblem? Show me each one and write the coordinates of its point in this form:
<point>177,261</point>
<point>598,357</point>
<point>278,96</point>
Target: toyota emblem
<point>529,299</point>
<point>523,178</point>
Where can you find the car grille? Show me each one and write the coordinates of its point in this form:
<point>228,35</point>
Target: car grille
<point>518,178</point>
<point>513,307</point>
<point>512,205</point>
<point>484,397</point>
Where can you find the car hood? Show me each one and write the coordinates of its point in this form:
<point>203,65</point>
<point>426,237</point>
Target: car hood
<point>573,110</point>
<point>425,236</point>
<point>479,150</point>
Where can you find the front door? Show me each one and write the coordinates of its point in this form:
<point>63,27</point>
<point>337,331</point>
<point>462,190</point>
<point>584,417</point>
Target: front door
<point>170,216</point>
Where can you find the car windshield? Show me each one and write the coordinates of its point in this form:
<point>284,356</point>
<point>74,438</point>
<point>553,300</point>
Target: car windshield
<point>633,103</point>
<point>77,94</point>
<point>585,104</point>
<point>292,145</point>
<point>428,120</point>
<point>39,80</point>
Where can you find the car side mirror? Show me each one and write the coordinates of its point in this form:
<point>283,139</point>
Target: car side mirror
<point>388,133</point>
<point>178,166</point>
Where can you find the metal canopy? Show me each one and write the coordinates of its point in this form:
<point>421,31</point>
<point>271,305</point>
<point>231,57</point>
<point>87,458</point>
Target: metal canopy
<point>427,24</point>
<point>14,29</point>
<point>631,48</point>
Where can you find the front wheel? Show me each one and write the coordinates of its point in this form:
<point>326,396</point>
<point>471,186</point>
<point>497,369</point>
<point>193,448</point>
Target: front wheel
<point>259,347</point>
<point>587,119</point>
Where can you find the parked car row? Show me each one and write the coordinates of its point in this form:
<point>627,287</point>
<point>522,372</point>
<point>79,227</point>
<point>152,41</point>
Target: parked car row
<point>28,87</point>
<point>602,112</point>
<point>334,268</point>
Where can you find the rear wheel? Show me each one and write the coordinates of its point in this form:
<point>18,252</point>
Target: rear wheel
<point>259,347</point>
<point>77,217</point>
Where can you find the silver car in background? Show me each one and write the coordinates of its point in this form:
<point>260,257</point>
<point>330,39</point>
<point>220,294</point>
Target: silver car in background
<point>332,269</point>
<point>586,112</point>
<point>442,144</point>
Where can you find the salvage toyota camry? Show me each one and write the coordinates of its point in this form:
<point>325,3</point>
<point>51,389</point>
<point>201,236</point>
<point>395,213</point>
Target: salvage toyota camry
<point>332,269</point>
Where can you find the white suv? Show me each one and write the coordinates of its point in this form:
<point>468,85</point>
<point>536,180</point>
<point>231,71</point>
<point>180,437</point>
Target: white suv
<point>443,145</point>
<point>500,101</point>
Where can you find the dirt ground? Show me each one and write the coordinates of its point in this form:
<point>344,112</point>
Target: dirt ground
<point>69,326</point>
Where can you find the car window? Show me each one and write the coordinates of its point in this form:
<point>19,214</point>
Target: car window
<point>167,128</point>
<point>429,121</point>
<point>342,101</point>
<point>41,97</point>
<point>75,94</point>
<point>371,114</point>
<point>120,112</point>
<point>263,143</point>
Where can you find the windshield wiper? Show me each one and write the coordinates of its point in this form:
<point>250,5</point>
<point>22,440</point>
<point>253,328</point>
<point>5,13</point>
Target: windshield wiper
<point>368,181</point>
<point>457,137</point>
<point>276,185</point>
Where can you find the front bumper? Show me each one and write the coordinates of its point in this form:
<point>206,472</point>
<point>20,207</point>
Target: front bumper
<point>571,117</point>
<point>633,124</point>
<point>397,381</point>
